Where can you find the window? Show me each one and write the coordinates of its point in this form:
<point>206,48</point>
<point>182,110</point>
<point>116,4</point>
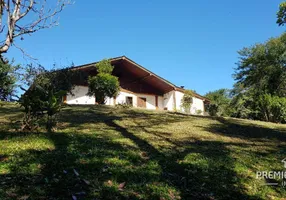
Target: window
<point>129,101</point>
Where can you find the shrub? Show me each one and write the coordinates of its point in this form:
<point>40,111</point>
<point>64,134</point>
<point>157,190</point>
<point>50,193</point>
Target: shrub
<point>199,112</point>
<point>43,100</point>
<point>104,84</point>
<point>123,106</point>
<point>213,109</point>
<point>272,108</point>
<point>187,101</point>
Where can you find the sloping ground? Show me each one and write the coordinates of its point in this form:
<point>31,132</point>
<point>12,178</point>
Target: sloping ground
<point>106,153</point>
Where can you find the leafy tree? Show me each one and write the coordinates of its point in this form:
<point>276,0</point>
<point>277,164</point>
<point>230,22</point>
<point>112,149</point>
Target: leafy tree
<point>43,99</point>
<point>220,100</point>
<point>8,78</point>
<point>262,67</point>
<point>281,14</point>
<point>187,101</point>
<point>272,108</point>
<point>104,84</point>
<point>39,103</point>
<point>241,102</point>
<point>260,90</point>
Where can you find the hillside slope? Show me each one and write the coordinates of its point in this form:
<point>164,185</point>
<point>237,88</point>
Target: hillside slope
<point>101,152</point>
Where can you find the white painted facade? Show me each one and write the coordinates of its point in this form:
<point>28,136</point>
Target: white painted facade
<point>197,105</point>
<point>170,101</point>
<point>80,96</point>
<point>150,99</point>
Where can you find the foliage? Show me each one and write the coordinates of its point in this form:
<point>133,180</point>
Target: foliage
<point>199,112</point>
<point>156,154</point>
<point>281,14</point>
<point>262,67</point>
<point>219,105</point>
<point>212,109</point>
<point>8,79</point>
<point>104,67</point>
<point>187,101</point>
<point>43,99</point>
<point>123,106</point>
<point>272,108</point>
<point>104,84</point>
<point>239,106</point>
<point>260,77</point>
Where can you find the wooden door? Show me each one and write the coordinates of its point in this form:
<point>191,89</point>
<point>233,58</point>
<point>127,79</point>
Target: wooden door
<point>141,102</point>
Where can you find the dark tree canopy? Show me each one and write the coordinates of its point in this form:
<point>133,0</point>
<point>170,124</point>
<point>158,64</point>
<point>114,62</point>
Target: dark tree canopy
<point>219,102</point>
<point>260,90</point>
<point>45,95</point>
<point>8,78</point>
<point>262,67</point>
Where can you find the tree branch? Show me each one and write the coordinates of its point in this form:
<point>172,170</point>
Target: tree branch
<point>17,11</point>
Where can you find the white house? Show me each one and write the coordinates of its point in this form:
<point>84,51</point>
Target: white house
<point>139,87</point>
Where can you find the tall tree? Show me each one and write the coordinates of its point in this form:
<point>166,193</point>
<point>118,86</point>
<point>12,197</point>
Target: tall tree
<point>39,15</point>
<point>104,84</point>
<point>260,89</point>
<point>8,78</point>
<point>262,67</point>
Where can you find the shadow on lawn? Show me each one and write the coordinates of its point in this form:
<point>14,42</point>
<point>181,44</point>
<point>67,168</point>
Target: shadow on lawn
<point>198,170</point>
<point>235,128</point>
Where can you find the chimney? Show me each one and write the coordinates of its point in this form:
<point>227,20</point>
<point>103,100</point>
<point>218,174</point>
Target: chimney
<point>182,87</point>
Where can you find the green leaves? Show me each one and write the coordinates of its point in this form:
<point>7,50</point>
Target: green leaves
<point>103,84</point>
<point>8,78</point>
<point>187,101</point>
<point>219,102</point>
<point>272,108</point>
<point>281,14</point>
<point>260,90</point>
<point>263,67</point>
<point>104,66</point>
<point>43,100</point>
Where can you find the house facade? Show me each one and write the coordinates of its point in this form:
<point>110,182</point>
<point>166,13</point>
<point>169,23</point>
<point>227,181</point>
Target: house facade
<point>139,88</point>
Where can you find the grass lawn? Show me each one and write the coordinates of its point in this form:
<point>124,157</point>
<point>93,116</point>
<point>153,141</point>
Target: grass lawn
<point>102,152</point>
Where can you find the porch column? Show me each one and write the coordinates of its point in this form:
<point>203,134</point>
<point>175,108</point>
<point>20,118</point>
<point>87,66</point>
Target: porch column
<point>156,102</point>
<point>174,99</point>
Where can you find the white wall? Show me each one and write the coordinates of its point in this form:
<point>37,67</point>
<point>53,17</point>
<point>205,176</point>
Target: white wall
<point>198,104</point>
<point>179,97</point>
<point>160,102</point>
<point>109,101</point>
<point>80,96</point>
<point>150,99</point>
<point>169,101</point>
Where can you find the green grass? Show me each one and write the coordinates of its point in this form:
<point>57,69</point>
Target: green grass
<point>138,154</point>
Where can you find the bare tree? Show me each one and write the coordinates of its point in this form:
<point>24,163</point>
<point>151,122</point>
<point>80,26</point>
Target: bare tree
<point>38,14</point>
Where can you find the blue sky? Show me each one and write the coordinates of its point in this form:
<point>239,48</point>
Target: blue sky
<point>191,43</point>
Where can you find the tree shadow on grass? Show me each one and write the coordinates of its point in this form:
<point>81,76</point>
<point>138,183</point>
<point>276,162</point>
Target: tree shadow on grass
<point>266,147</point>
<point>49,173</point>
<point>195,169</point>
<point>214,177</point>
<point>236,128</point>
<point>203,170</point>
